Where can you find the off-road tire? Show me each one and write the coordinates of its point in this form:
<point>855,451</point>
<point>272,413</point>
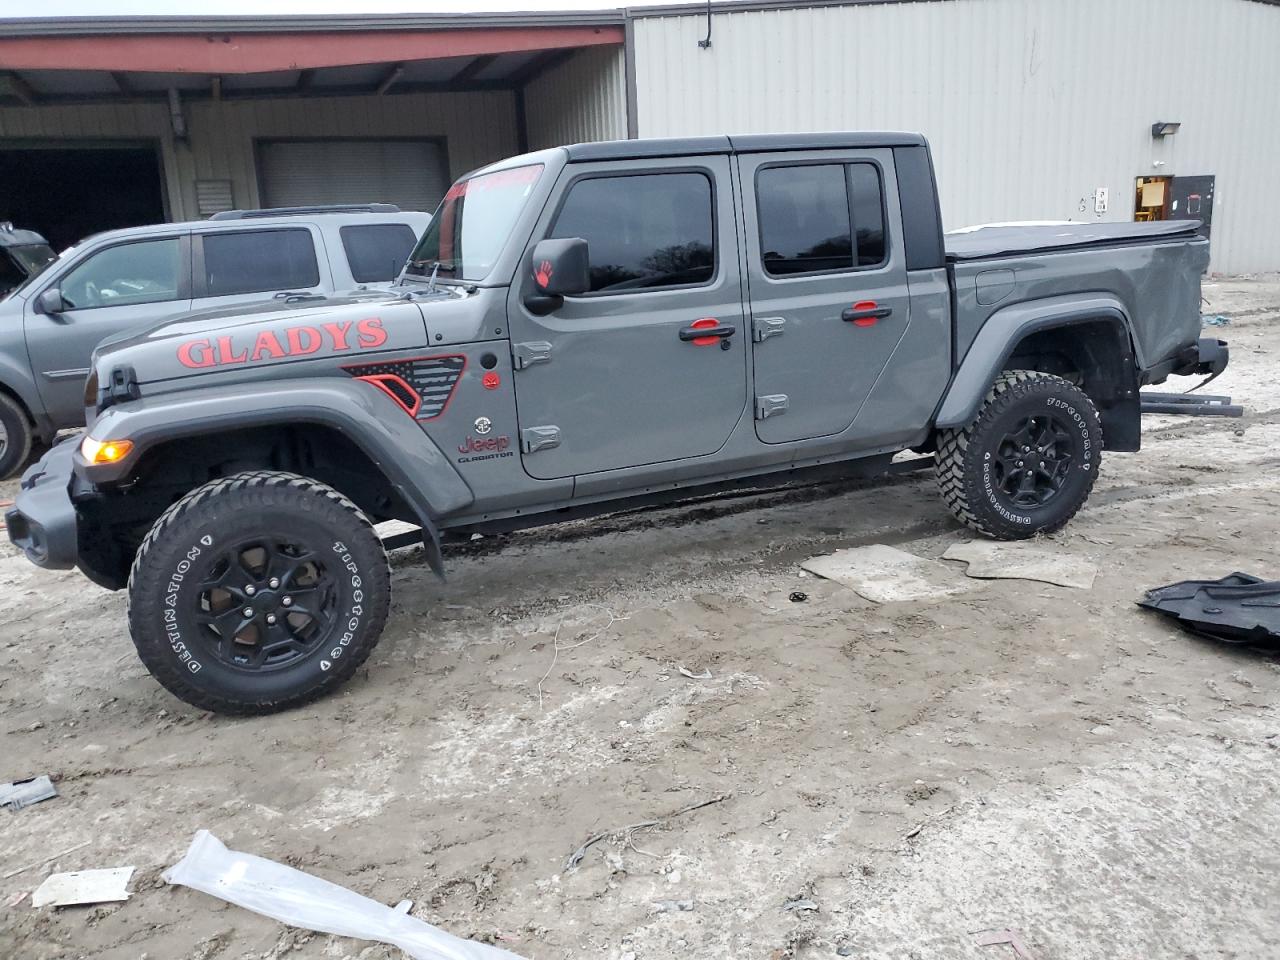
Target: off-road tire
<point>171,605</point>
<point>969,465</point>
<point>15,447</point>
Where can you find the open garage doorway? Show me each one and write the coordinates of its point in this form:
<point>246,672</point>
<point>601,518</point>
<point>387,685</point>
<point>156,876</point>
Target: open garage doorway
<point>67,193</point>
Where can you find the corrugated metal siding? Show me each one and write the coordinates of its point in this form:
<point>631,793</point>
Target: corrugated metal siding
<point>1030,104</point>
<point>477,127</point>
<point>582,99</point>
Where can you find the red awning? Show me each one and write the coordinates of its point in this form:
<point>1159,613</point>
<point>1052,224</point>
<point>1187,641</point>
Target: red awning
<point>220,54</point>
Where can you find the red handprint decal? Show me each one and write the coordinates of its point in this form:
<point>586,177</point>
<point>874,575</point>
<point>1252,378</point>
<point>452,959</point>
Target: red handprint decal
<point>543,273</point>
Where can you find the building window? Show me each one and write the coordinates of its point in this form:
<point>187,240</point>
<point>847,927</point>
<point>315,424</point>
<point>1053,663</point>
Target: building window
<point>259,261</point>
<point>377,251</point>
<point>820,218</point>
<point>643,232</point>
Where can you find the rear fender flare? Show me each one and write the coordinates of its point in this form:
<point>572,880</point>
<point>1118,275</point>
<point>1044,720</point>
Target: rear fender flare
<point>393,441</point>
<point>999,337</point>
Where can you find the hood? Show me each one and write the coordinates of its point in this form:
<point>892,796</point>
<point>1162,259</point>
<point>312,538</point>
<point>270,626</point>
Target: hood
<point>247,341</point>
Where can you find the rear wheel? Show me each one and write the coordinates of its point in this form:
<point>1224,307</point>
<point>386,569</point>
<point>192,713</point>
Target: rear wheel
<point>258,592</point>
<point>1027,462</point>
<point>15,437</point>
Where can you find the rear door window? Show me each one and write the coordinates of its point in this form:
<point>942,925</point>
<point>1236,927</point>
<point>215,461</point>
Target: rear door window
<point>377,251</point>
<point>820,218</point>
<point>643,232</point>
<point>259,261</point>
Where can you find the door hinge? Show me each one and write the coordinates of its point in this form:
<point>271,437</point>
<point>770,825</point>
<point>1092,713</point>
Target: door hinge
<point>533,439</point>
<point>527,354</point>
<point>771,405</point>
<point>762,328</point>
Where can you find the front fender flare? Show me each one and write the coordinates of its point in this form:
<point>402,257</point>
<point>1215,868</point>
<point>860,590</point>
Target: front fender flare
<point>999,337</point>
<point>394,442</point>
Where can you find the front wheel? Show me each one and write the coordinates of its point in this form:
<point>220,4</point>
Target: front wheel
<point>15,437</point>
<point>258,592</point>
<point>1027,462</point>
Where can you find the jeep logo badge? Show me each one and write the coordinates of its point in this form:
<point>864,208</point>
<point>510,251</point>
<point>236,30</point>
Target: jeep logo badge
<point>483,425</point>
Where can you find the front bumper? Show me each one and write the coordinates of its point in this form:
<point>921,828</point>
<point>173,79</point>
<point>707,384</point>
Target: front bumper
<point>42,521</point>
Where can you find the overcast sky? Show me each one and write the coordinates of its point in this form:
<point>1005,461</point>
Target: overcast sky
<point>121,8</point>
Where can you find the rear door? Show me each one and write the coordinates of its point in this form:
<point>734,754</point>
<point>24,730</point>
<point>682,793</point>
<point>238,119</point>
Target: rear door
<point>614,378</point>
<point>233,267</point>
<point>108,291</point>
<point>828,285</point>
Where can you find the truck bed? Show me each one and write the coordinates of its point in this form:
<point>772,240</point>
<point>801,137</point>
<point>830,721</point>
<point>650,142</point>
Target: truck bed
<point>1002,241</point>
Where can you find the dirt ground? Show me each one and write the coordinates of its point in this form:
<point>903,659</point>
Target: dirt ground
<point>1024,756</point>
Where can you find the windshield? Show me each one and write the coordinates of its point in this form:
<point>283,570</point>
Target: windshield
<point>473,223</point>
<point>33,257</point>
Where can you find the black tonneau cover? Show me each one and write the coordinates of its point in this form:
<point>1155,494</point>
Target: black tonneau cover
<point>1012,240</point>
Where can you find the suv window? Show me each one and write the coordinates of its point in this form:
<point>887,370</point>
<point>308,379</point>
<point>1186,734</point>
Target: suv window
<point>377,251</point>
<point>258,261</point>
<point>131,273</point>
<point>642,232</point>
<point>806,214</point>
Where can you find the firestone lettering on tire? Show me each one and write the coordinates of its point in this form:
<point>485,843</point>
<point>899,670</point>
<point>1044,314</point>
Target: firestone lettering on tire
<point>357,603</point>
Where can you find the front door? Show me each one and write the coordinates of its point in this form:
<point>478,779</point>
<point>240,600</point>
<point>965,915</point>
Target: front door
<point>618,377</point>
<point>110,291</point>
<point>1191,198</point>
<point>828,286</point>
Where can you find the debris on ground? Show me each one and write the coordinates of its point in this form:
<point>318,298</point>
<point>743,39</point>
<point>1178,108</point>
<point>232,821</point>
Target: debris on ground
<point>1215,320</point>
<point>41,862</point>
<point>23,793</point>
<point>800,906</point>
<point>883,574</point>
<point>1239,608</point>
<point>575,858</point>
<point>83,887</point>
<point>798,596</point>
<point>302,900</point>
<point>672,906</point>
<point>686,672</point>
<point>991,560</point>
<point>991,938</point>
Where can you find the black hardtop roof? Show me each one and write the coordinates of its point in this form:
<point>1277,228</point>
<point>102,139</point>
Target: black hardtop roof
<point>741,143</point>
<point>11,237</point>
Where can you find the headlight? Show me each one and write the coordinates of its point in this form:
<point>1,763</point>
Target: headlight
<point>104,451</point>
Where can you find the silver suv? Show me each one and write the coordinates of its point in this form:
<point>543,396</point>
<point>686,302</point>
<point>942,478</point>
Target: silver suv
<point>124,279</point>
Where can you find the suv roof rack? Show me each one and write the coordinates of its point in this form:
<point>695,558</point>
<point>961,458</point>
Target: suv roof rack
<point>303,211</point>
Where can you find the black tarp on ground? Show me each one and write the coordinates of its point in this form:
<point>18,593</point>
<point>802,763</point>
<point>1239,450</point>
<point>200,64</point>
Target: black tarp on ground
<point>1239,608</point>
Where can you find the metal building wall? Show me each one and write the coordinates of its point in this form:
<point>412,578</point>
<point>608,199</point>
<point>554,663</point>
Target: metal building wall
<point>582,99</point>
<point>478,128</point>
<point>1030,104</point>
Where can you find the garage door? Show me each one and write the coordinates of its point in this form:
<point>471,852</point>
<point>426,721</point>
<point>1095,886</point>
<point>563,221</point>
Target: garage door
<point>409,173</point>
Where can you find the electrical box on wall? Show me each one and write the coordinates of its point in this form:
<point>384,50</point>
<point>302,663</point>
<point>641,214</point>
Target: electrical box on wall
<point>1100,200</point>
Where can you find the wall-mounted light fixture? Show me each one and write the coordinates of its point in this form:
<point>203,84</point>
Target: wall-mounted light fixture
<point>1164,128</point>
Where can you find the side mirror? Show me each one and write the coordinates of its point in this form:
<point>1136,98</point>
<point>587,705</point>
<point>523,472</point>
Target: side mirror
<point>51,302</point>
<point>561,268</point>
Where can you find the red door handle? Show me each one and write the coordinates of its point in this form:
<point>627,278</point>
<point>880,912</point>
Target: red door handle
<point>865,313</point>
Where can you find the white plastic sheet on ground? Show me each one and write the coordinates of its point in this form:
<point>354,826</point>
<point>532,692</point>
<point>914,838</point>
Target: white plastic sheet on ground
<point>301,900</point>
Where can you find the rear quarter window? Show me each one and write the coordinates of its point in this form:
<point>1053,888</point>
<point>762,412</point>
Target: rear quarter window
<point>259,261</point>
<point>377,251</point>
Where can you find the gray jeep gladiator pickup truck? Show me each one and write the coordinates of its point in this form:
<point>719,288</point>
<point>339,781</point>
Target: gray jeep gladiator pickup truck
<point>586,329</point>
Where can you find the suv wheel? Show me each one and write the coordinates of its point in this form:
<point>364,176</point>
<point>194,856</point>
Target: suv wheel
<point>1027,462</point>
<point>258,592</point>
<point>15,437</point>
